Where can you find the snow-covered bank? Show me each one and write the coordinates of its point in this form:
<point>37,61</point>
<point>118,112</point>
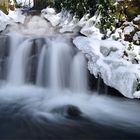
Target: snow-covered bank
<point>106,60</point>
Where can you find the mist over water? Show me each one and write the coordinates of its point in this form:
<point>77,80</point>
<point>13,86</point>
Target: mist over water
<point>46,75</point>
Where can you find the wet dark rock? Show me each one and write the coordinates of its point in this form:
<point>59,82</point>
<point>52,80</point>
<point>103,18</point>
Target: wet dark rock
<point>32,69</point>
<point>4,54</point>
<point>73,111</point>
<point>68,111</point>
<point>97,85</point>
<point>37,45</point>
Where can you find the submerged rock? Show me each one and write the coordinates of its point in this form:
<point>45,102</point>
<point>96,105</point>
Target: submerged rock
<point>68,111</point>
<point>73,111</point>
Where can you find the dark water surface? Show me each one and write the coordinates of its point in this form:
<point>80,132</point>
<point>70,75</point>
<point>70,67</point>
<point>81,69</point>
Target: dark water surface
<point>19,124</point>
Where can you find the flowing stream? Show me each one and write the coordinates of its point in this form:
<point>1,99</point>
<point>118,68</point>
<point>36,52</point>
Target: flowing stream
<point>45,86</point>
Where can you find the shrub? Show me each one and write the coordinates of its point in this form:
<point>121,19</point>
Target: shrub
<point>4,9</point>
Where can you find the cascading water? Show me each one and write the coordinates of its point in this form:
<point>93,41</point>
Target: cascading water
<point>79,73</point>
<point>41,80</point>
<point>54,64</point>
<point>59,63</point>
<point>17,74</point>
<point>57,68</point>
<point>47,81</point>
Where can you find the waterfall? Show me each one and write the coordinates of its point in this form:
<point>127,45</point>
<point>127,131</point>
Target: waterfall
<point>54,67</point>
<point>79,73</point>
<point>15,40</point>
<point>41,80</point>
<point>59,65</point>
<point>17,74</point>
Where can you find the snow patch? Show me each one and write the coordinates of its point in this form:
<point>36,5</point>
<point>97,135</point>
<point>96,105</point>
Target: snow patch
<point>137,18</point>
<point>128,30</point>
<point>136,37</point>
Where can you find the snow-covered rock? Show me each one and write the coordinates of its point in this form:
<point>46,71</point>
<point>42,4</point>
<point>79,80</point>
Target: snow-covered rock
<point>89,29</point>
<point>53,19</point>
<point>71,25</point>
<point>48,10</point>
<point>136,37</point>
<point>13,17</point>
<point>64,21</point>
<point>17,16</point>
<point>4,21</point>
<point>136,20</point>
<point>128,30</point>
<point>106,60</point>
<point>50,15</point>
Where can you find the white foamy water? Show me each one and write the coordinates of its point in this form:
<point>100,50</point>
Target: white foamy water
<point>102,109</point>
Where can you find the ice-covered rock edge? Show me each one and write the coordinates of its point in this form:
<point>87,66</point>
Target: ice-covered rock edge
<point>13,17</point>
